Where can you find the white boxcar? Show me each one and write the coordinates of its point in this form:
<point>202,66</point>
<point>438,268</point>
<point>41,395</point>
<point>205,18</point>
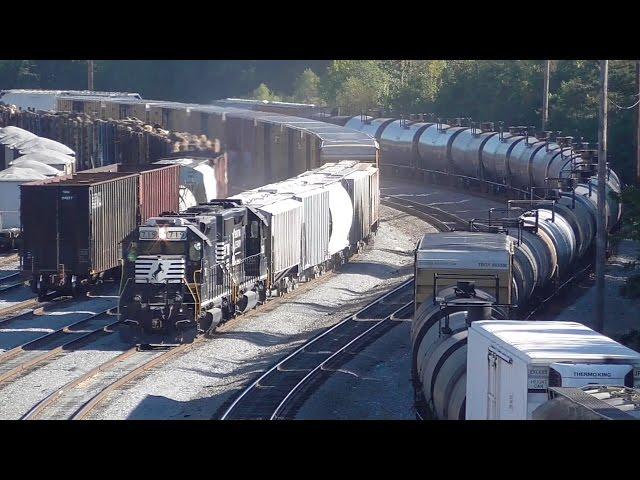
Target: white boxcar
<point>10,181</point>
<point>46,100</point>
<point>340,203</point>
<point>315,227</point>
<point>511,365</point>
<point>316,217</point>
<point>285,232</point>
<point>374,189</point>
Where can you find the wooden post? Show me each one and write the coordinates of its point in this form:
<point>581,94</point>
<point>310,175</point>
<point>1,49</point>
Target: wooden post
<point>545,98</point>
<point>90,75</point>
<point>638,123</point>
<point>601,237</point>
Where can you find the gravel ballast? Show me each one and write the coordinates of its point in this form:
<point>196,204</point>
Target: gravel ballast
<point>198,383</point>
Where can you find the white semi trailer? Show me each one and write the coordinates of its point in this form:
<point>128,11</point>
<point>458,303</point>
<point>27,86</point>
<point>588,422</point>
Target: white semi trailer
<point>512,364</point>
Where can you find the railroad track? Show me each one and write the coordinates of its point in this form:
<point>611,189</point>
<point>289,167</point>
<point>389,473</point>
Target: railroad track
<point>438,218</point>
<point>9,282</point>
<point>80,397</point>
<point>269,397</point>
<point>11,258</point>
<point>31,304</point>
<point>21,359</point>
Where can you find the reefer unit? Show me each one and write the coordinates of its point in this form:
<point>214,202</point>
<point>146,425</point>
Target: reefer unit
<point>75,224</point>
<point>512,364</point>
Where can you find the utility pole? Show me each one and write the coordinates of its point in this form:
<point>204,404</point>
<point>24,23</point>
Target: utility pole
<point>545,98</point>
<point>90,75</point>
<point>601,237</point>
<point>638,123</point>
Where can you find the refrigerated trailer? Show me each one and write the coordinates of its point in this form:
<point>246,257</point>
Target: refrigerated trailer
<point>512,364</point>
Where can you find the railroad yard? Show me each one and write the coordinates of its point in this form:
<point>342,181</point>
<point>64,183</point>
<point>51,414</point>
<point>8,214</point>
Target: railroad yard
<point>147,276</point>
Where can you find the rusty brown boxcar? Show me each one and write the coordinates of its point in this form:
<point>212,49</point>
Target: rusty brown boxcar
<point>72,227</point>
<point>158,187</point>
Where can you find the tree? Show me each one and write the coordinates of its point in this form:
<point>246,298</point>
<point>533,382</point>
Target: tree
<point>355,85</point>
<point>306,87</point>
<point>263,93</point>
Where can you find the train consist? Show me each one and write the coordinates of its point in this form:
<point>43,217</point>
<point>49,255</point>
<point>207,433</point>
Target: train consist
<point>194,270</point>
<point>517,257</point>
<point>271,146</point>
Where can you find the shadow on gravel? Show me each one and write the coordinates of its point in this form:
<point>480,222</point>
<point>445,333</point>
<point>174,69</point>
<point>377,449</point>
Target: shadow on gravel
<point>379,270</point>
<point>154,407</point>
<point>243,373</point>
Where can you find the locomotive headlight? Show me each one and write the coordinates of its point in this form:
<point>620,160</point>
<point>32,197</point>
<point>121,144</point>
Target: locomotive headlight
<point>137,298</point>
<point>162,233</point>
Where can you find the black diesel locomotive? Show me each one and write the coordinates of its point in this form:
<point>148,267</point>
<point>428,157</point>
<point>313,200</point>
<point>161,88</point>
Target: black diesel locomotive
<point>189,272</point>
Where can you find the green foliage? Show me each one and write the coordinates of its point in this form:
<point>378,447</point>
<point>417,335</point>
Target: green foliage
<point>355,85</point>
<point>495,90</point>
<point>263,93</point>
<point>631,221</point>
<point>306,89</point>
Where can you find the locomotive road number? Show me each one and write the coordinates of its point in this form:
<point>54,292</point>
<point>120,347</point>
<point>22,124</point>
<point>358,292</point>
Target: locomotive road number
<point>148,234</point>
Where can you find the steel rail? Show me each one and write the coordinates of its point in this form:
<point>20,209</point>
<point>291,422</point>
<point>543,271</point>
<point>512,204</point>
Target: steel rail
<point>85,407</point>
<point>321,366</point>
<point>96,400</point>
<point>276,367</point>
<point>10,356</point>
<point>438,218</point>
